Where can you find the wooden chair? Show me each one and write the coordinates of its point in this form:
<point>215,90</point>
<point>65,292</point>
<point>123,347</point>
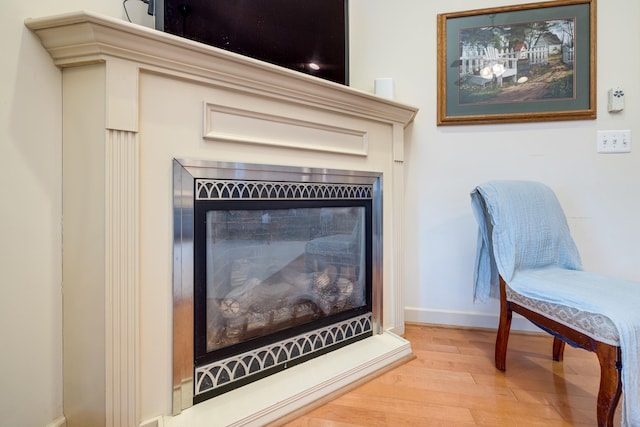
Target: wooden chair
<point>609,356</point>
<point>593,331</point>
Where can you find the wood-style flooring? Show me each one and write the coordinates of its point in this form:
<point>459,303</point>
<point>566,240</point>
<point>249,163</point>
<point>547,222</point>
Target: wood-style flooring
<point>453,382</point>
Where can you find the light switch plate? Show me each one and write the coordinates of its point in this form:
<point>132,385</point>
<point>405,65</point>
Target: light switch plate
<point>614,141</point>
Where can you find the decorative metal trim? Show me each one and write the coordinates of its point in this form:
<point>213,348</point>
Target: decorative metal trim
<point>223,189</point>
<point>256,362</point>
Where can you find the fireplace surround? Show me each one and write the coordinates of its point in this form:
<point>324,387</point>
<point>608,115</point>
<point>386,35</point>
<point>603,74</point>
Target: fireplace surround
<point>282,265</point>
<point>133,100</point>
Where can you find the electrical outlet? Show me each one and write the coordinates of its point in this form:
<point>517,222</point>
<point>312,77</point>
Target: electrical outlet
<point>614,141</point>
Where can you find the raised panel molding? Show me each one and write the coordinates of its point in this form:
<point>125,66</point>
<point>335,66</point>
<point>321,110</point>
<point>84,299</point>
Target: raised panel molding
<point>230,124</point>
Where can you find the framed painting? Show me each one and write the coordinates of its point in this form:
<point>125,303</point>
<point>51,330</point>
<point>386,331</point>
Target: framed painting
<point>522,63</point>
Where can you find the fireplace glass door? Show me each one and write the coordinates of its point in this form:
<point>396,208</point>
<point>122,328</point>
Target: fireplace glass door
<point>266,270</point>
<point>269,270</point>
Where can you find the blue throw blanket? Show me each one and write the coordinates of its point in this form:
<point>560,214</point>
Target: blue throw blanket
<point>524,237</point>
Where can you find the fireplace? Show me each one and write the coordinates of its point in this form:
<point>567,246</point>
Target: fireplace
<point>282,264</point>
<point>144,99</point>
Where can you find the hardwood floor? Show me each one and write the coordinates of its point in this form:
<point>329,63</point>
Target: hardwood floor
<point>453,382</point>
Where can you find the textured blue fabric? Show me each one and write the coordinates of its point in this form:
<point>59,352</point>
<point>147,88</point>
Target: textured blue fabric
<point>524,237</point>
<point>525,226</point>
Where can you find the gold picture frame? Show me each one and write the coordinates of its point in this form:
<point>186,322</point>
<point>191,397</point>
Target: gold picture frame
<point>523,63</point>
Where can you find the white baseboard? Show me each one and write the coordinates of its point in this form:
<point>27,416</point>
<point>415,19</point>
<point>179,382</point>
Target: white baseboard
<point>58,422</point>
<point>465,319</point>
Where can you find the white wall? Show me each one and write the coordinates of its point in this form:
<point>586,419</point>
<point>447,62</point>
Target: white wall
<point>600,193</point>
<point>389,39</point>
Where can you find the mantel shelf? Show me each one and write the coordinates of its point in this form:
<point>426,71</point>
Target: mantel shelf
<point>83,37</point>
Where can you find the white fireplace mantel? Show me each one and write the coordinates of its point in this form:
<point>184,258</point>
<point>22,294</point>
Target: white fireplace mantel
<point>134,99</point>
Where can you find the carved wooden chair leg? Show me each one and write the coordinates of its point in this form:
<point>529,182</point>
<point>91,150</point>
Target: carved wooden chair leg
<point>610,383</point>
<point>558,349</point>
<point>502,338</point>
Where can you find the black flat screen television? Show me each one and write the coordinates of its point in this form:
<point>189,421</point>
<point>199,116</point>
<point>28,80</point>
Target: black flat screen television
<point>310,36</point>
